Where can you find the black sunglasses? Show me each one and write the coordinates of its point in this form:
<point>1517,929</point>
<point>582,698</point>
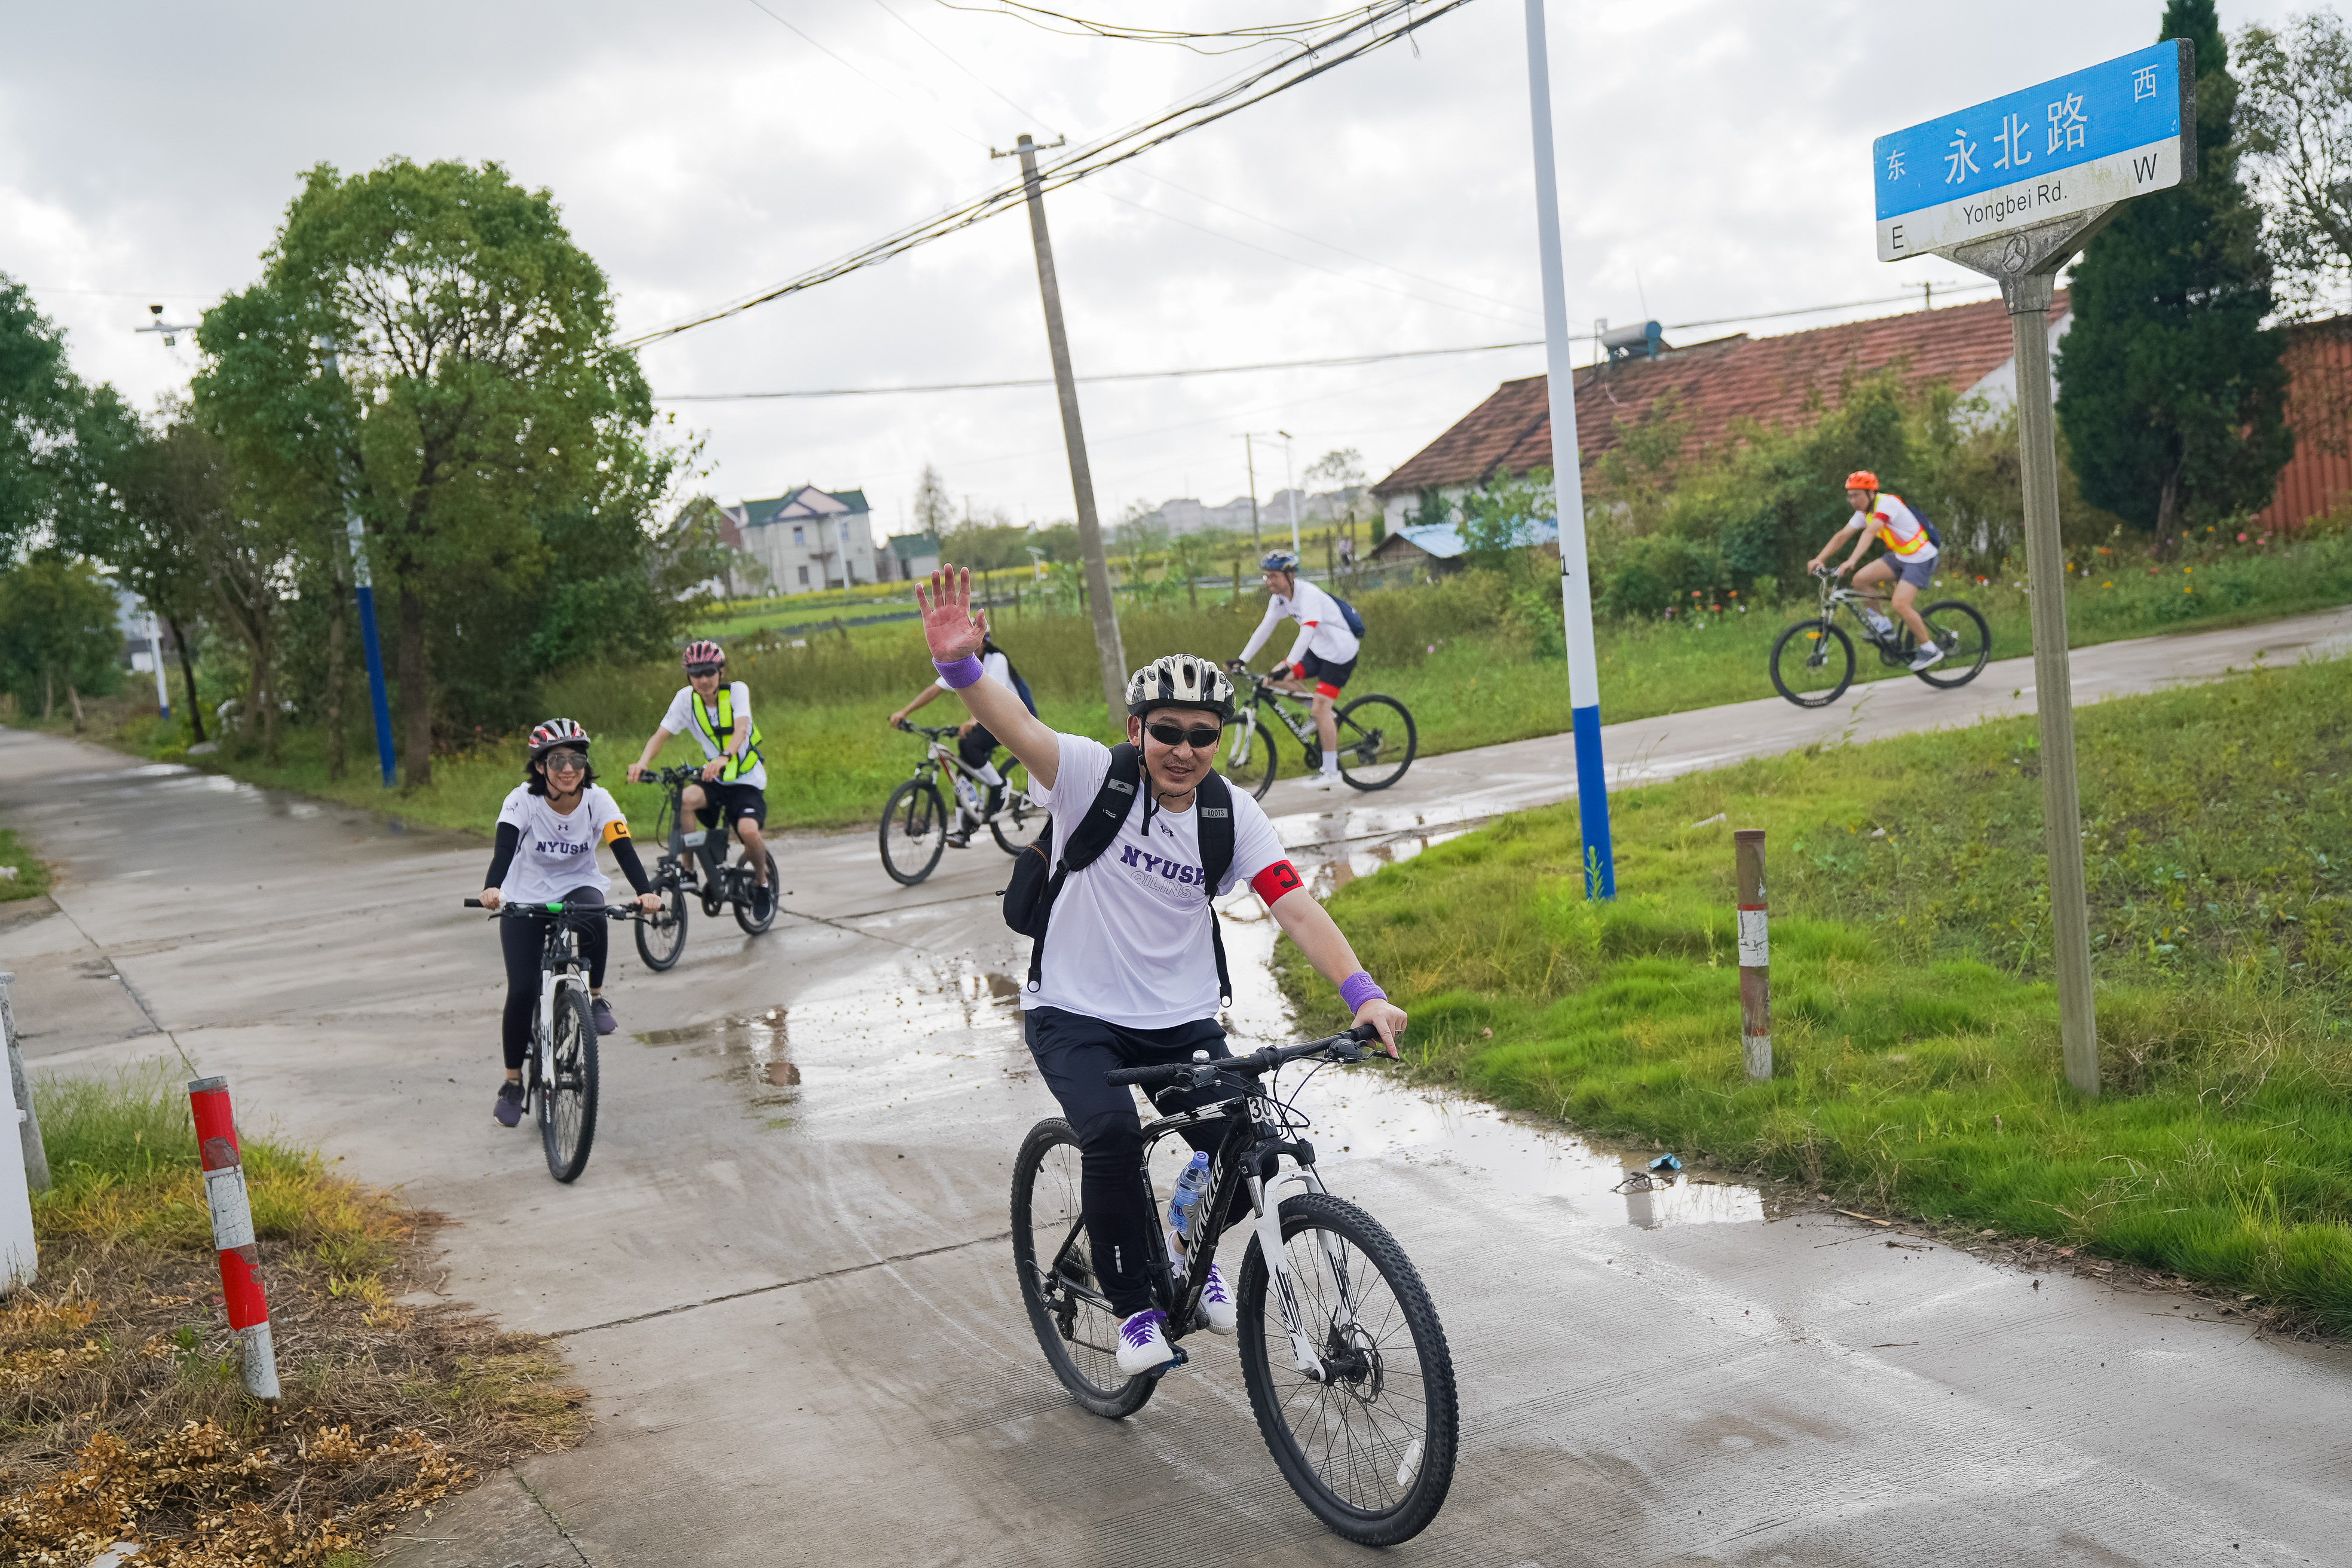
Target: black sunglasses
<point>693,669</point>
<point>1201,737</point>
<point>565,762</point>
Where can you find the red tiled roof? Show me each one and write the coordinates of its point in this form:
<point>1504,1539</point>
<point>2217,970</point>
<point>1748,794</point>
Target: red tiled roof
<point>1770,379</point>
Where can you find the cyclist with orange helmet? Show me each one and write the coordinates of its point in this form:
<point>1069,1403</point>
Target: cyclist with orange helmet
<point>717,712</point>
<point>545,851</point>
<point>1909,561</point>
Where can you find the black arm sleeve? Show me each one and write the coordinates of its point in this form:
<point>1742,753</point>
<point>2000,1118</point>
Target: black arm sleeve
<point>501,856</point>
<point>625,853</point>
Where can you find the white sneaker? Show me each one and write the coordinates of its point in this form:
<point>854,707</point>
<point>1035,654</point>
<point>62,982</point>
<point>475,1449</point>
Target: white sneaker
<point>1328,779</point>
<point>1927,658</point>
<point>1142,1343</point>
<point>1217,1301</point>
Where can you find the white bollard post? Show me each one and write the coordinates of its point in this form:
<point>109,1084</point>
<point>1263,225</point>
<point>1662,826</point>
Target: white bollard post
<point>20,1255</point>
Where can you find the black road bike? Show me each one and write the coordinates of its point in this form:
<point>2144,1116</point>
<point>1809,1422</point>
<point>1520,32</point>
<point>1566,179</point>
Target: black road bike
<point>559,1074</point>
<point>1348,1368</point>
<point>695,863</point>
<point>916,821</point>
<point>1376,739</point>
<point>1812,661</point>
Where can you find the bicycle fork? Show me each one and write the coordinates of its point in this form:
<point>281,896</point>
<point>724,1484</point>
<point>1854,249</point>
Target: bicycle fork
<point>1328,1262</point>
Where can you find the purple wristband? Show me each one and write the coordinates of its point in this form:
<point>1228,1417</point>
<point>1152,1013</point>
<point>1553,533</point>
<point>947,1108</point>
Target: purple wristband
<point>1357,989</point>
<point>959,673</point>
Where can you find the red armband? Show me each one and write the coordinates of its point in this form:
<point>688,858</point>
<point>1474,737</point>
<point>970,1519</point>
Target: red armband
<point>1275,881</point>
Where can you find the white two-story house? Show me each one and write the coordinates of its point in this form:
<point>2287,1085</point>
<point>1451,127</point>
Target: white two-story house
<point>809,539</point>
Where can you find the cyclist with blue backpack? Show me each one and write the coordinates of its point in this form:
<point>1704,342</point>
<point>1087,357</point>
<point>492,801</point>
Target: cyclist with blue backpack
<point>975,747</point>
<point>1912,549</point>
<point>1329,638</point>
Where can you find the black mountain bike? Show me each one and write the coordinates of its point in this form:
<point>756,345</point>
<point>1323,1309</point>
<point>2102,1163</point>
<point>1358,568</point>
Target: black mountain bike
<point>1812,661</point>
<point>917,820</point>
<point>696,862</point>
<point>1377,740</point>
<point>558,1075</point>
<point>1347,1365</point>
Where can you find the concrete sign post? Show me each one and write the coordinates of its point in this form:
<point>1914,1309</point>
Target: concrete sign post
<point>2012,188</point>
<point>1568,487</point>
<point>1755,954</point>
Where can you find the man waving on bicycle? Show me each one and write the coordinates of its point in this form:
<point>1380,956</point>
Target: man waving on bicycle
<point>1128,971</point>
<point>1909,561</point>
<point>1325,652</point>
<point>734,773</point>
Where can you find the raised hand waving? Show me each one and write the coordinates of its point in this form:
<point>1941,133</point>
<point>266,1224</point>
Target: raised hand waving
<point>949,627</point>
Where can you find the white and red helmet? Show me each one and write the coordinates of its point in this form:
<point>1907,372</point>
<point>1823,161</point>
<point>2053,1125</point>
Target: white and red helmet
<point>557,733</point>
<point>702,650</point>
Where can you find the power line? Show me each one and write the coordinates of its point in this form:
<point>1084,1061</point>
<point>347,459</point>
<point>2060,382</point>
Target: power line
<point>958,65</point>
<point>1310,60</point>
<point>853,70</point>
<point>1332,362</point>
<point>1080,27</point>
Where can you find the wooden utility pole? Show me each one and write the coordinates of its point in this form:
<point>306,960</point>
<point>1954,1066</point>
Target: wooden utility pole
<point>1113,658</point>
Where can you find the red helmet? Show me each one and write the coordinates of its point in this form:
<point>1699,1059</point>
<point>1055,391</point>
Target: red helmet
<point>1862,479</point>
<point>557,733</point>
<point>702,650</point>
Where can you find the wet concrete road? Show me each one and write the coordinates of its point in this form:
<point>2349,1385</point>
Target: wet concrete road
<point>784,1275</point>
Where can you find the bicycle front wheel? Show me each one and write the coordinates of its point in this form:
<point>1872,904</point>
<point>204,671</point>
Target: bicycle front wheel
<point>1370,1446</point>
<point>752,925</point>
<point>662,937</point>
<point>1377,742</point>
<point>914,831</point>
<point>1075,1327</point>
<point>1963,636</point>
<point>1813,664</point>
<point>567,1102</point>
<point>1016,824</point>
<point>1250,759</point>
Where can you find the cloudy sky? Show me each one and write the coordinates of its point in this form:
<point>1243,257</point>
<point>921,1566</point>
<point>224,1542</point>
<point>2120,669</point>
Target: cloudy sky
<point>1714,161</point>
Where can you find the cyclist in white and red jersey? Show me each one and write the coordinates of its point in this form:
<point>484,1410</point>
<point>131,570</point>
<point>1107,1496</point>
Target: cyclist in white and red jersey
<point>1325,652</point>
<point>1909,561</point>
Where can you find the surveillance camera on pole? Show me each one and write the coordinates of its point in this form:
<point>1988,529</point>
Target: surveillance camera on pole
<point>170,331</point>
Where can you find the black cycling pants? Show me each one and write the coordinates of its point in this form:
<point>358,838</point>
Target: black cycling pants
<point>523,941</point>
<point>1074,1052</point>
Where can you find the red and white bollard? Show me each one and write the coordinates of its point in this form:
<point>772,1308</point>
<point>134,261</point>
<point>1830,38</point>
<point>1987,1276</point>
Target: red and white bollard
<point>240,1270</point>
<point>1755,956</point>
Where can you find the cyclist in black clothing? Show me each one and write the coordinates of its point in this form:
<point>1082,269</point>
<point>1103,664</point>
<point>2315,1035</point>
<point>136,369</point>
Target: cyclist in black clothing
<point>975,747</point>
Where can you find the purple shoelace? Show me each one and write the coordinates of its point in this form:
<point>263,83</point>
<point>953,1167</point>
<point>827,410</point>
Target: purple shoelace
<point>1215,1289</point>
<point>1137,1330</point>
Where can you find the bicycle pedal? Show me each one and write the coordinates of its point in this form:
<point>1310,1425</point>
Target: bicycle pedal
<point>1163,1371</point>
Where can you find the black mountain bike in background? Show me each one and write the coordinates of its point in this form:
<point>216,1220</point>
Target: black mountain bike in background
<point>916,819</point>
<point>559,1074</point>
<point>1377,740</point>
<point>695,862</point>
<point>1348,1368</point>
<point>1812,661</point>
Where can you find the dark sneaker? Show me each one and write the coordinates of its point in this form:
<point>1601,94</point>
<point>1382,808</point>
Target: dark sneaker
<point>763,900</point>
<point>509,1109</point>
<point>959,839</point>
<point>1927,658</point>
<point>602,1011</point>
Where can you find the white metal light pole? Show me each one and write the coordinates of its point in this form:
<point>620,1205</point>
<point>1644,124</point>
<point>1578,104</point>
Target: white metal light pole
<point>155,652</point>
<point>1290,482</point>
<point>1568,486</point>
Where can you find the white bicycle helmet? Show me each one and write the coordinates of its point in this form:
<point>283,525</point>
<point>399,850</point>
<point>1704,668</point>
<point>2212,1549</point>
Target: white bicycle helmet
<point>1180,681</point>
<point>557,733</point>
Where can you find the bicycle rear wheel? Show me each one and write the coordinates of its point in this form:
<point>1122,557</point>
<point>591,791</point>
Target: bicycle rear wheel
<point>662,937</point>
<point>751,925</point>
<point>1812,663</point>
<point>1016,826</point>
<point>914,831</point>
<point>1369,1448</point>
<point>1963,636</point>
<point>1254,773</point>
<point>567,1103</point>
<point>1377,742</point>
<point>1075,1327</point>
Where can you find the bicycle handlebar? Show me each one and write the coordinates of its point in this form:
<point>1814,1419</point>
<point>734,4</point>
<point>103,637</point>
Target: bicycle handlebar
<point>560,907</point>
<point>1346,1047</point>
<point>926,730</point>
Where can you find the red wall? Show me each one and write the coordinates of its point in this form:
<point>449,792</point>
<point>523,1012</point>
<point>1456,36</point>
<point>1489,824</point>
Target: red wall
<point>2319,411</point>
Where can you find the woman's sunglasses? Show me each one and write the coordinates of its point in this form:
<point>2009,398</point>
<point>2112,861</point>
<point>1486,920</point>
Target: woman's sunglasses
<point>566,763</point>
<point>1201,737</point>
<point>694,670</point>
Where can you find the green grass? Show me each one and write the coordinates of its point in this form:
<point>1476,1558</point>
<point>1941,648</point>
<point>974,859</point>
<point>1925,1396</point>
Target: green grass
<point>32,878</point>
<point>1916,1059</point>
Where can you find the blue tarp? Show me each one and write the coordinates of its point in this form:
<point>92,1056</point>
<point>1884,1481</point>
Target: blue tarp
<point>1445,543</point>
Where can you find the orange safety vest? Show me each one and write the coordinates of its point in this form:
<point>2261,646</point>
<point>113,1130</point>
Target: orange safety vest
<point>1886,530</point>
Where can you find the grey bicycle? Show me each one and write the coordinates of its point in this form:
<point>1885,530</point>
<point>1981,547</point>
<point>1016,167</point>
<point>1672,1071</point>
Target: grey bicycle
<point>1812,661</point>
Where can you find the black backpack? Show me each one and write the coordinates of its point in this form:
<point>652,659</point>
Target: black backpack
<point>1036,881</point>
<point>1934,537</point>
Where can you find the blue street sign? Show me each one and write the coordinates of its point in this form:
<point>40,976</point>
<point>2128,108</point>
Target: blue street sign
<point>2101,135</point>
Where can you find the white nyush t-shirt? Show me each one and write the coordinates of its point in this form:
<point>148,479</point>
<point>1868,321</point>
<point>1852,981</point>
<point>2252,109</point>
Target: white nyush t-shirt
<point>557,851</point>
<point>1128,941</point>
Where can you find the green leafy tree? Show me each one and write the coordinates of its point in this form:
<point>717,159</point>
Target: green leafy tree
<point>2297,119</point>
<point>41,402</point>
<point>477,393</point>
<point>2171,393</point>
<point>58,632</point>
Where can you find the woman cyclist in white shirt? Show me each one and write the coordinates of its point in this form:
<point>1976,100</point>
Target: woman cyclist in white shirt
<point>546,850</point>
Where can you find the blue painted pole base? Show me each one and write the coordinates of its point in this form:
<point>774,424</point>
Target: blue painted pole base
<point>1592,806</point>
<point>375,682</point>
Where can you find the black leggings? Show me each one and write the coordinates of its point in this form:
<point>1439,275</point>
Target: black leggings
<point>1074,1052</point>
<point>523,941</point>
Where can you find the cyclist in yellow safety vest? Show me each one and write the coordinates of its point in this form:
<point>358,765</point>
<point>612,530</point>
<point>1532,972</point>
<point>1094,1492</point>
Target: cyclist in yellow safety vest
<point>735,775</point>
<point>1909,561</point>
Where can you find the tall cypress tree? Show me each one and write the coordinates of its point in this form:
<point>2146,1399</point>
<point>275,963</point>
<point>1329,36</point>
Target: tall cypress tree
<point>2171,393</point>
